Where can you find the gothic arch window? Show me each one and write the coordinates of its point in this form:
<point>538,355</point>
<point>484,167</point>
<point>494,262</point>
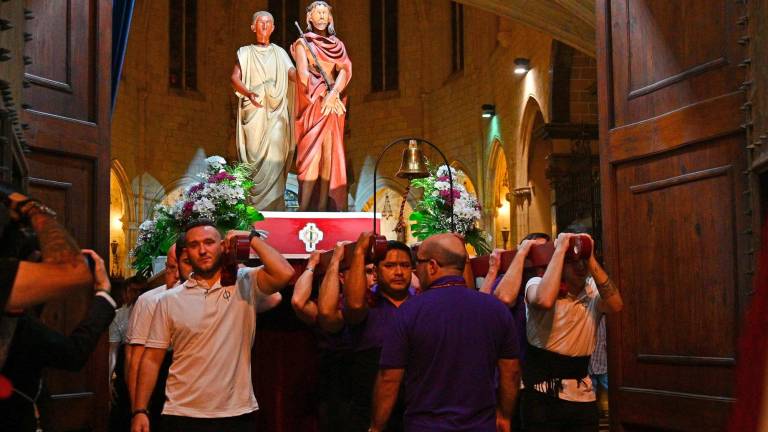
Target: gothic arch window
<point>457,36</point>
<point>389,199</point>
<point>285,13</point>
<point>182,59</point>
<point>384,53</point>
<point>464,177</point>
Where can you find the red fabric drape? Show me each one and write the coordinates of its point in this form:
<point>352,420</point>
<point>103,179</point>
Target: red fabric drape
<point>284,376</point>
<point>753,352</point>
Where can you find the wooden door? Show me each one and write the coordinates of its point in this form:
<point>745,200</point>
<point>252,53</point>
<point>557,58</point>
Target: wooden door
<point>68,113</point>
<point>675,205</point>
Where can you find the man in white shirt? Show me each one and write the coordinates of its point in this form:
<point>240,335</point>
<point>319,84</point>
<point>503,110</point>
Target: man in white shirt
<point>564,307</point>
<point>211,328</point>
<point>140,320</point>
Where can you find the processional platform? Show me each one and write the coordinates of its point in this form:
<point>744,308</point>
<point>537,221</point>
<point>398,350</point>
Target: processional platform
<point>297,234</point>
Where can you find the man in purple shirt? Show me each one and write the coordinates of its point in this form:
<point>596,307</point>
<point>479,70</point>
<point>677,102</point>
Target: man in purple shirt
<point>447,343</point>
<point>370,317</point>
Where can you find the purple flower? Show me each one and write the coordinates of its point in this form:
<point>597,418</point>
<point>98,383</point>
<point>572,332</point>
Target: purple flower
<point>444,178</point>
<point>187,209</point>
<point>196,188</point>
<point>446,193</point>
<point>220,177</point>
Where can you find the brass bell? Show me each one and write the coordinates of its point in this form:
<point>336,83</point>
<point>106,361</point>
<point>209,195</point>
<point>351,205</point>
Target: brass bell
<point>412,166</point>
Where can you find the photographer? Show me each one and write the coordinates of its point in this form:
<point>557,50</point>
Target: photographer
<point>25,283</point>
<point>36,346</point>
<point>564,307</point>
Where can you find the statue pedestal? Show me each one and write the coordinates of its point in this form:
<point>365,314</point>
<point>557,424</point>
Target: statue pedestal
<point>297,234</point>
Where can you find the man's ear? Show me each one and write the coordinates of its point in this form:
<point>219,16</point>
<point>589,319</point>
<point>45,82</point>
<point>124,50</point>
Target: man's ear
<point>432,266</point>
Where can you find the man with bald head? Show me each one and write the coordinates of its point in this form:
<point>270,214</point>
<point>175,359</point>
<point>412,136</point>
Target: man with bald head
<point>447,343</point>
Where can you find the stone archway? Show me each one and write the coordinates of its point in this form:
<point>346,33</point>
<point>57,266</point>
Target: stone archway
<point>388,199</point>
<point>498,197</point>
<point>532,196</point>
<point>464,176</point>
<point>122,216</point>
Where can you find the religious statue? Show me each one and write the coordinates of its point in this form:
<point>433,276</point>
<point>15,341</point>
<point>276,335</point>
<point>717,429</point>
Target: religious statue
<point>324,70</point>
<point>263,80</point>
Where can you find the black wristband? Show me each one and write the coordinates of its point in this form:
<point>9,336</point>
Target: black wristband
<point>140,411</point>
<point>254,233</point>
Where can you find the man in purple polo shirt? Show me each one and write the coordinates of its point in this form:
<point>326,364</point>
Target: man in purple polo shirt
<point>370,317</point>
<point>447,343</point>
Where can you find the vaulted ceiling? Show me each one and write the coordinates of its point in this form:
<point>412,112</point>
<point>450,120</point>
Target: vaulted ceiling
<point>569,21</point>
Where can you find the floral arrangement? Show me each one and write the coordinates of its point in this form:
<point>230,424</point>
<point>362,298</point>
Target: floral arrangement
<point>432,214</point>
<point>219,195</point>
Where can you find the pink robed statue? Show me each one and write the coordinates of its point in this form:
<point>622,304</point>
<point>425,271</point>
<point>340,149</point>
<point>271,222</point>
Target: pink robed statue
<point>319,119</point>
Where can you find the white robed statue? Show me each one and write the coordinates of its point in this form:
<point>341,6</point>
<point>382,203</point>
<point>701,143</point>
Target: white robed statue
<point>263,80</point>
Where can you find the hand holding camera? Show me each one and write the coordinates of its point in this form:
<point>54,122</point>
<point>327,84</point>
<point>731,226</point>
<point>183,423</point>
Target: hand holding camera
<point>99,270</point>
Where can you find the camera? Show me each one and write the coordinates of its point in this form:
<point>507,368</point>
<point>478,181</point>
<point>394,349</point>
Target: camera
<point>90,261</point>
<point>18,239</point>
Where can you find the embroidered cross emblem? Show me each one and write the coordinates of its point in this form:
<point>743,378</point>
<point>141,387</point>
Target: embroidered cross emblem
<point>311,236</point>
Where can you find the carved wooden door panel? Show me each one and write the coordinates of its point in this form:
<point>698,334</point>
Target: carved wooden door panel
<point>68,112</point>
<point>674,205</point>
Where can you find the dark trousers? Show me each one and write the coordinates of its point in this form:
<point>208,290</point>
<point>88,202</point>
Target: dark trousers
<point>245,422</point>
<point>543,413</point>
<point>332,391</point>
<point>363,372</point>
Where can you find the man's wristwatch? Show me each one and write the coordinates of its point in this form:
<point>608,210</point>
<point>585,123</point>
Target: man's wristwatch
<point>140,411</point>
<point>254,233</point>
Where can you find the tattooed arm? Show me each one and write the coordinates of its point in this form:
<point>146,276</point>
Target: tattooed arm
<point>610,298</point>
<point>63,268</point>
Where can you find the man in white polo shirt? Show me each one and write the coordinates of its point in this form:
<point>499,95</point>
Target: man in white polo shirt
<point>211,328</point>
<point>177,269</point>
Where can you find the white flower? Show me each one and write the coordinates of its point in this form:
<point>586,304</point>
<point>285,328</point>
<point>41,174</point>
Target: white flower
<point>204,207</point>
<point>443,171</point>
<point>175,209</point>
<point>147,225</point>
<point>215,161</point>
